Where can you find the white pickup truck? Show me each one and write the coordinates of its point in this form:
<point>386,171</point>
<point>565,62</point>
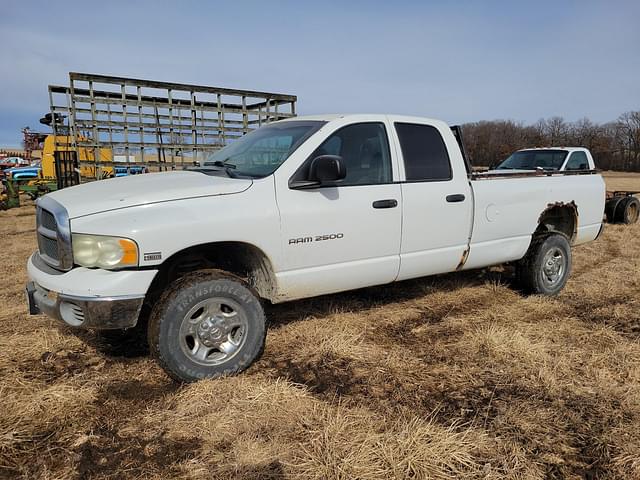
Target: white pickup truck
<point>621,206</point>
<point>547,159</point>
<point>298,208</point>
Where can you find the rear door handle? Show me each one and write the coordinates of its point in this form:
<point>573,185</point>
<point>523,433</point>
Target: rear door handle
<point>456,197</point>
<point>390,203</point>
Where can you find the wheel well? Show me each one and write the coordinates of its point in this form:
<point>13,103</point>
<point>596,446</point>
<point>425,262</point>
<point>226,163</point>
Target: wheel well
<point>242,259</point>
<point>559,217</point>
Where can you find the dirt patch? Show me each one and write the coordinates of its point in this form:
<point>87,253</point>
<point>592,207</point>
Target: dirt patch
<point>139,391</point>
<point>105,452</point>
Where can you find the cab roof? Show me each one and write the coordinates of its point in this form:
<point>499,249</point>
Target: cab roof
<point>362,117</point>
<point>566,149</point>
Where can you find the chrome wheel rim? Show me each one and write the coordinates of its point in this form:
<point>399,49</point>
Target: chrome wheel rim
<point>213,331</point>
<point>554,265</point>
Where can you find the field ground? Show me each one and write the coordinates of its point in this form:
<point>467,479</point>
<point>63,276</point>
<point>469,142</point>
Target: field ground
<point>447,377</point>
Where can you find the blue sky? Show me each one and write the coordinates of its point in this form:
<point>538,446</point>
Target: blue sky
<point>459,61</point>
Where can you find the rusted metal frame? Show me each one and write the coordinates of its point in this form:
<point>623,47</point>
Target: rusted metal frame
<point>110,164</point>
<point>159,145</point>
<point>245,118</point>
<point>96,150</point>
<point>180,139</point>
<point>202,126</point>
<point>269,116</point>
<point>272,101</point>
<point>251,114</point>
<point>171,137</point>
<point>221,121</point>
<point>124,116</point>
<point>136,145</point>
<point>154,117</point>
<point>194,132</point>
<point>72,120</point>
<point>140,128</point>
<point>178,86</point>
<point>149,101</point>
<point>623,193</point>
<point>151,127</point>
<point>257,114</point>
<point>53,115</point>
<point>109,123</point>
<point>281,100</point>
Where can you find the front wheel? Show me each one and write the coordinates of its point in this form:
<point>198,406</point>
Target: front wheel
<point>207,324</point>
<point>546,267</point>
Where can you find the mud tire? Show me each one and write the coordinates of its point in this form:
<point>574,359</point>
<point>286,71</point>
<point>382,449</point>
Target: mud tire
<point>531,269</point>
<point>179,298</point>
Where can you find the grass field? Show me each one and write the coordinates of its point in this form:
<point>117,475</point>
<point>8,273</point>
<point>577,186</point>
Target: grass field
<point>457,376</point>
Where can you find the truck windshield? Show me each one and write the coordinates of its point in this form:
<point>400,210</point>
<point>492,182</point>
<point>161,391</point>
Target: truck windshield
<point>533,159</point>
<point>259,153</point>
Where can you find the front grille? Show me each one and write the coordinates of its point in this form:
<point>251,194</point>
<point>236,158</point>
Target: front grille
<point>48,236</point>
<point>48,247</point>
<point>54,238</point>
<point>48,220</point>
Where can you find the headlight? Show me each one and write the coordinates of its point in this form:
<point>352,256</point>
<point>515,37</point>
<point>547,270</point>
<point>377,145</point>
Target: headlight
<point>104,252</point>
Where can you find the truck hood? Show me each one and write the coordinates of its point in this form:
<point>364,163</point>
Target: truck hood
<point>143,189</point>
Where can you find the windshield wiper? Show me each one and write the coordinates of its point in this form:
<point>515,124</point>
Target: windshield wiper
<point>227,167</point>
<point>220,163</point>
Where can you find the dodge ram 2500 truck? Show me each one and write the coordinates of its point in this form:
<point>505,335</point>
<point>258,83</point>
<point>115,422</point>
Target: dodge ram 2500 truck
<point>298,208</point>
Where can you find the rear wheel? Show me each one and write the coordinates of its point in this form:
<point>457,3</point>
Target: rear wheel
<point>546,267</point>
<point>630,208</point>
<point>208,324</point>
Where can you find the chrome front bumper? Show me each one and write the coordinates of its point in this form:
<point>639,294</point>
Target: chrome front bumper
<point>87,298</point>
<point>85,312</point>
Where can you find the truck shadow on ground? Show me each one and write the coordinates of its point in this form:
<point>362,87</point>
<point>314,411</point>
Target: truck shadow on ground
<point>381,295</point>
<point>117,344</point>
<point>132,343</point>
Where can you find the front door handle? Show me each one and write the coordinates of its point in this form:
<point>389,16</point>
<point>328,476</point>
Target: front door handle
<point>456,197</point>
<point>390,203</point>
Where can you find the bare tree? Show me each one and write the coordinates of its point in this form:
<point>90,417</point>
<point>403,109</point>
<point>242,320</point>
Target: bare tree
<point>614,145</point>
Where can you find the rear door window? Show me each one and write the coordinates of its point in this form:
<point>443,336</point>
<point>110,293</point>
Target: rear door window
<point>424,152</point>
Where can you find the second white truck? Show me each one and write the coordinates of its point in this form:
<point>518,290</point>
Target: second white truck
<point>621,206</point>
<point>298,208</point>
<point>549,159</point>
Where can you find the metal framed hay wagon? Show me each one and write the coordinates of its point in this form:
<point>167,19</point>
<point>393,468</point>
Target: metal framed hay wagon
<point>148,125</point>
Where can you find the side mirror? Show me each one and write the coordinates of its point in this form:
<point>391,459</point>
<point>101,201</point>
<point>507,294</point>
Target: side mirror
<point>327,169</point>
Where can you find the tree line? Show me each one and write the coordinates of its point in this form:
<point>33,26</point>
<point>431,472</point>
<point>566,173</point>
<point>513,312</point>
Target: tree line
<point>614,145</point>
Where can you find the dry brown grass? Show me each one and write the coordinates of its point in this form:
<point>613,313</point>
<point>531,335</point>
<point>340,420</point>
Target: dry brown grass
<point>622,180</point>
<point>452,377</point>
